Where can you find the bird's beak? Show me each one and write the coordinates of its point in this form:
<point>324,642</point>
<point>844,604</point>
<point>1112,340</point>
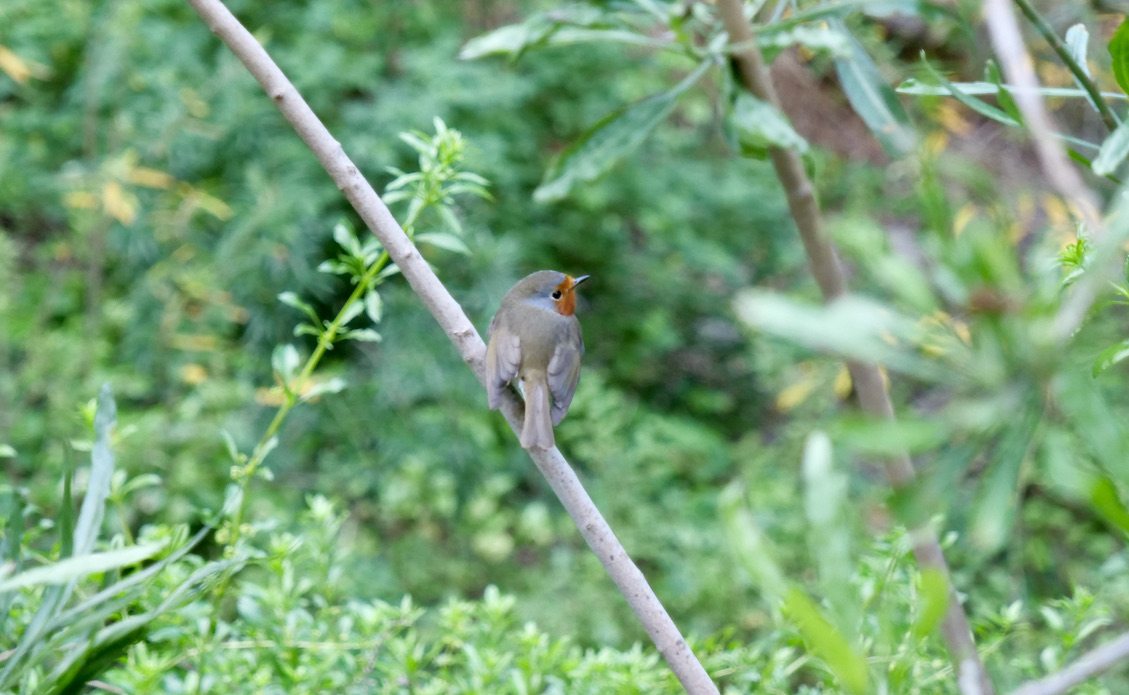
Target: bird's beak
<point>577,281</point>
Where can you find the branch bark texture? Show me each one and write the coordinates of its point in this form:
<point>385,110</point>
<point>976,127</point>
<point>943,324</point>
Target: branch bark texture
<point>461,332</point>
<point>873,397</point>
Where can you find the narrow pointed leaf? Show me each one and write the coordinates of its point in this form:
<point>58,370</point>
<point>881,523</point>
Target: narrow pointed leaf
<point>612,138</point>
<point>1111,356</point>
<point>933,594</point>
<point>374,306</point>
<point>445,241</point>
<point>64,571</point>
<point>1113,152</point>
<point>872,99</point>
<point>850,327</point>
<point>101,473</point>
<point>1119,52</point>
<point>826,642</point>
<point>759,126</point>
<point>976,105</point>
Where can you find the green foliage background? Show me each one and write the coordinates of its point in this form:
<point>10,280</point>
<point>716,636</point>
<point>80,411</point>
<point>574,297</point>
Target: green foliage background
<point>153,204</point>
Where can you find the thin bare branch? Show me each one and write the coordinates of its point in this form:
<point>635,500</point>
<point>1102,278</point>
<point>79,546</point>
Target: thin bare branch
<point>867,379</point>
<point>1086,667</point>
<point>1007,41</point>
<point>462,334</point>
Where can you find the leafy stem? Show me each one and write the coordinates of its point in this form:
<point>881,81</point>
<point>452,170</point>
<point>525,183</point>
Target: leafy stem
<point>437,181</point>
<point>1076,69</point>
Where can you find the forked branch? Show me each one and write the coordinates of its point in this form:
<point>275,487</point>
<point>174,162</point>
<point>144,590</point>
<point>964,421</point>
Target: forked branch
<point>867,379</point>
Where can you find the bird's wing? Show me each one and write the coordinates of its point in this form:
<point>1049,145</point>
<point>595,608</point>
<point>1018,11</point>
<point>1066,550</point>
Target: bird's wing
<point>564,372</point>
<point>503,356</point>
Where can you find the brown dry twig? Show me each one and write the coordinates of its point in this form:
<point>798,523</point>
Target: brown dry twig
<point>462,334</point>
<point>873,397</point>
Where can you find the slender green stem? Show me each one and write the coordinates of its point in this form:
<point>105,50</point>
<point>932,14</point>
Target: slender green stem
<point>292,392</point>
<point>1048,33</point>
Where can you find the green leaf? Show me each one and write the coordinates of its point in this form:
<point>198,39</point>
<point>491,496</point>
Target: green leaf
<point>815,38</point>
<point>65,570</point>
<point>825,494</point>
<point>752,549</point>
<point>365,335</point>
<point>1077,44</point>
<point>759,126</point>
<point>1119,52</point>
<point>509,40</point>
<point>140,481</point>
<point>1108,502</point>
<point>7,451</point>
<point>333,267</point>
<point>334,385</point>
<point>389,271</point>
<point>919,88</point>
<point>1111,356</point>
<point>566,24</point>
<point>291,299</point>
<point>284,359</point>
<point>443,240</point>
<point>933,593</point>
<point>349,312</point>
<point>612,138</point>
<point>1113,151</point>
<point>232,448</point>
<point>826,642</point>
<point>346,239</point>
<point>101,474</point>
<point>1077,41</point>
<point>449,217</point>
<point>976,105</point>
<point>10,555</point>
<point>872,99</point>
<point>1003,96</point>
<point>374,306</point>
<point>850,327</point>
<point>572,35</point>
<point>996,507</point>
<point>880,437</point>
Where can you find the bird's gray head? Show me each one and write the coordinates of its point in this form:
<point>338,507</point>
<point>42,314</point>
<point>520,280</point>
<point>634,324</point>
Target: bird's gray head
<point>550,290</point>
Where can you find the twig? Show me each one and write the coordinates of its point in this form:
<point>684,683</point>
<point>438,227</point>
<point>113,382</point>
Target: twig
<point>1085,667</point>
<point>462,334</point>
<point>1079,71</point>
<point>1060,173</point>
<point>867,379</point>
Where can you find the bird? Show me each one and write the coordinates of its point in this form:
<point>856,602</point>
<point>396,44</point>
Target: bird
<point>535,337</point>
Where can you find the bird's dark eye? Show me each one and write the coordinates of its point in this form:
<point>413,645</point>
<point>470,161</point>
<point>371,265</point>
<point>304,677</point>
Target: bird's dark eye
<point>556,294</point>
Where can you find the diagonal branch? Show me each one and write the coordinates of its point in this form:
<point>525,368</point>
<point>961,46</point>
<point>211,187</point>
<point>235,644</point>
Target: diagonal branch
<point>1085,667</point>
<point>867,379</point>
<point>462,334</point>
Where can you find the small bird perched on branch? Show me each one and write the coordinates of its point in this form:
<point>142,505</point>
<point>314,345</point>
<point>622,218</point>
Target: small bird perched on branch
<point>535,337</point>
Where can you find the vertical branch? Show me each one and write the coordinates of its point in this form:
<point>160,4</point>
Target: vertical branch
<point>1007,41</point>
<point>873,397</point>
<point>449,315</point>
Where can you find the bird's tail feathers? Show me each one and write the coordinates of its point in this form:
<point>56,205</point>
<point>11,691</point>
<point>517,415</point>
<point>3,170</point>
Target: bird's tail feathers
<point>537,432</point>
